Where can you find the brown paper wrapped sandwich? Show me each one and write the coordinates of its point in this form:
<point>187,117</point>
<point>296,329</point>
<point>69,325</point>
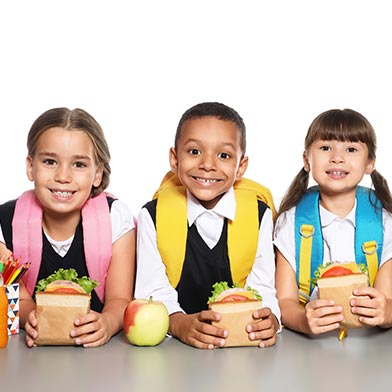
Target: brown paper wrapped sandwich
<point>337,281</point>
<point>61,298</point>
<point>236,306</point>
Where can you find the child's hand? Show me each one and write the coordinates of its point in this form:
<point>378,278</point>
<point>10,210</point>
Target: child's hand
<point>30,328</point>
<point>91,330</point>
<point>195,330</point>
<point>322,316</point>
<point>371,307</point>
<point>265,328</point>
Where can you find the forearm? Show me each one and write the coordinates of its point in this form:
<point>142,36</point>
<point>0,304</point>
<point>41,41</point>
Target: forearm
<point>176,320</point>
<point>293,316</point>
<point>113,312</point>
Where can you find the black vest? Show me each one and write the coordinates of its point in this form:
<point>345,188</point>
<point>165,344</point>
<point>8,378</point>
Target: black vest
<point>202,266</point>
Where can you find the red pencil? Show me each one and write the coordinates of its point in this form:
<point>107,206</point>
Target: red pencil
<point>11,270</point>
<point>7,264</point>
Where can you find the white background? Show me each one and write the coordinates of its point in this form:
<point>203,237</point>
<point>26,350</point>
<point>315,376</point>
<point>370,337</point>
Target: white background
<point>136,66</point>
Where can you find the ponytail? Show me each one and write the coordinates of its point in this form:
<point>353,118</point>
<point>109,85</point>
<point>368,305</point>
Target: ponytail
<point>381,189</point>
<point>295,192</point>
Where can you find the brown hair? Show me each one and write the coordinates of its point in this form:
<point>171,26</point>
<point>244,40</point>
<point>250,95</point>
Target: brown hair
<point>76,119</point>
<point>342,125</point>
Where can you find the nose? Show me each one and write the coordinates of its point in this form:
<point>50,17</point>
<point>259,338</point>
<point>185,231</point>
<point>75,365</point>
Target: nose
<point>207,161</point>
<point>63,174</point>
<point>336,157</point>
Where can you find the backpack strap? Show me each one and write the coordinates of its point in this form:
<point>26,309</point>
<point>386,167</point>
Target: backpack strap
<point>309,245</point>
<point>97,234</point>
<point>27,237</point>
<point>309,240</point>
<point>172,226</point>
<point>369,234</point>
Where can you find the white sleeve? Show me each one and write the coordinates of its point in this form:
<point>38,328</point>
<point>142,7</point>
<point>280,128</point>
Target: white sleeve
<point>387,245</point>
<point>284,236</point>
<point>122,219</point>
<point>262,275</point>
<point>151,278</point>
<point>2,236</point>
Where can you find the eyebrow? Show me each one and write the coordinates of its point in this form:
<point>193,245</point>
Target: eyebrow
<point>200,141</point>
<point>54,155</point>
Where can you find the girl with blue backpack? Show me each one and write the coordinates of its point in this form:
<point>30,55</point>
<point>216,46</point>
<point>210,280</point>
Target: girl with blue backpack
<point>339,220</point>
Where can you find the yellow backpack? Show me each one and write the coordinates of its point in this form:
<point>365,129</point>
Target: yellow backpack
<point>172,226</point>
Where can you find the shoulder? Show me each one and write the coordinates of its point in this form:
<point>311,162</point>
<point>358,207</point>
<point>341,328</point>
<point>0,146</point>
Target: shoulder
<point>285,220</point>
<point>122,219</point>
<point>151,208</point>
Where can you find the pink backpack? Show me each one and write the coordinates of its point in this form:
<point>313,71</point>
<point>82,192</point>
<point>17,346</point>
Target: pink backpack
<point>97,233</point>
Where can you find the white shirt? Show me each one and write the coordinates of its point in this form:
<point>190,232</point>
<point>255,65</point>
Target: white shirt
<point>122,222</point>
<point>338,237</point>
<point>151,278</point>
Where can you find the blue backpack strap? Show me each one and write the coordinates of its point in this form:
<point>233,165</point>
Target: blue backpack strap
<point>307,215</point>
<point>369,236</point>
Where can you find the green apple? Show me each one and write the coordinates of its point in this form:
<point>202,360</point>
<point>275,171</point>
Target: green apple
<point>146,322</point>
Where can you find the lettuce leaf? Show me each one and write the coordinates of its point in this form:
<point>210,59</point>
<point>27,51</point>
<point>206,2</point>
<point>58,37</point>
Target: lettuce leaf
<point>71,275</point>
<point>219,287</point>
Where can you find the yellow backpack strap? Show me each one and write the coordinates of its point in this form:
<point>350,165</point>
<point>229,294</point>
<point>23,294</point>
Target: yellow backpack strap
<point>172,230</point>
<point>243,232</point>
<point>369,248</point>
<point>172,227</point>
<point>305,255</point>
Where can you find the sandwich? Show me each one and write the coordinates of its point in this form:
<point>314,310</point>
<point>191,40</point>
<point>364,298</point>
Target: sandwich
<point>337,281</point>
<point>236,306</point>
<point>61,298</point>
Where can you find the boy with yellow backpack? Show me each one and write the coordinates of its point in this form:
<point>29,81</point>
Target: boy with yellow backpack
<point>207,224</point>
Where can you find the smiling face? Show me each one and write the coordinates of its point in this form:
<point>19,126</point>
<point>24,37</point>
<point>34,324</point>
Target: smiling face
<point>63,169</point>
<point>208,158</point>
<point>338,166</point>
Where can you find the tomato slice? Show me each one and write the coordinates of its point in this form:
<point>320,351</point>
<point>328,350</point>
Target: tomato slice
<point>65,290</point>
<point>336,271</point>
<point>235,298</point>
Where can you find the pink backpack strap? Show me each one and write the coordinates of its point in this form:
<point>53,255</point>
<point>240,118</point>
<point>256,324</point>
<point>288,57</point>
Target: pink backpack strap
<point>97,233</point>
<point>27,236</point>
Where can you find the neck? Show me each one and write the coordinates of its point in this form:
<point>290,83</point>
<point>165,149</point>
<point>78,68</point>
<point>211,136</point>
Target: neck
<point>60,228</point>
<point>339,204</point>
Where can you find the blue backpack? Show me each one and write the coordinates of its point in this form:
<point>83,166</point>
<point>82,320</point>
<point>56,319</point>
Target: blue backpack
<point>309,240</point>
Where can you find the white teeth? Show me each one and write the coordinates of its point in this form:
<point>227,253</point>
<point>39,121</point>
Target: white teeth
<point>337,173</point>
<point>62,194</point>
<point>206,180</point>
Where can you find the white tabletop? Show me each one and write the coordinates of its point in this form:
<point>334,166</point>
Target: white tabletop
<point>361,362</point>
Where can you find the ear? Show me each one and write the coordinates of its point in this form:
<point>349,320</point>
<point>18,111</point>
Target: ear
<point>242,167</point>
<point>98,177</point>
<point>173,160</point>
<point>370,166</point>
<point>29,168</point>
<point>306,161</point>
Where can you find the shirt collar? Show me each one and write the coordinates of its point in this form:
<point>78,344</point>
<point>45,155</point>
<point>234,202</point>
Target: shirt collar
<point>225,207</point>
<point>328,217</point>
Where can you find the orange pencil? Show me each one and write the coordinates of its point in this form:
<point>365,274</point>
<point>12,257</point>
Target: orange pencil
<point>11,270</point>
